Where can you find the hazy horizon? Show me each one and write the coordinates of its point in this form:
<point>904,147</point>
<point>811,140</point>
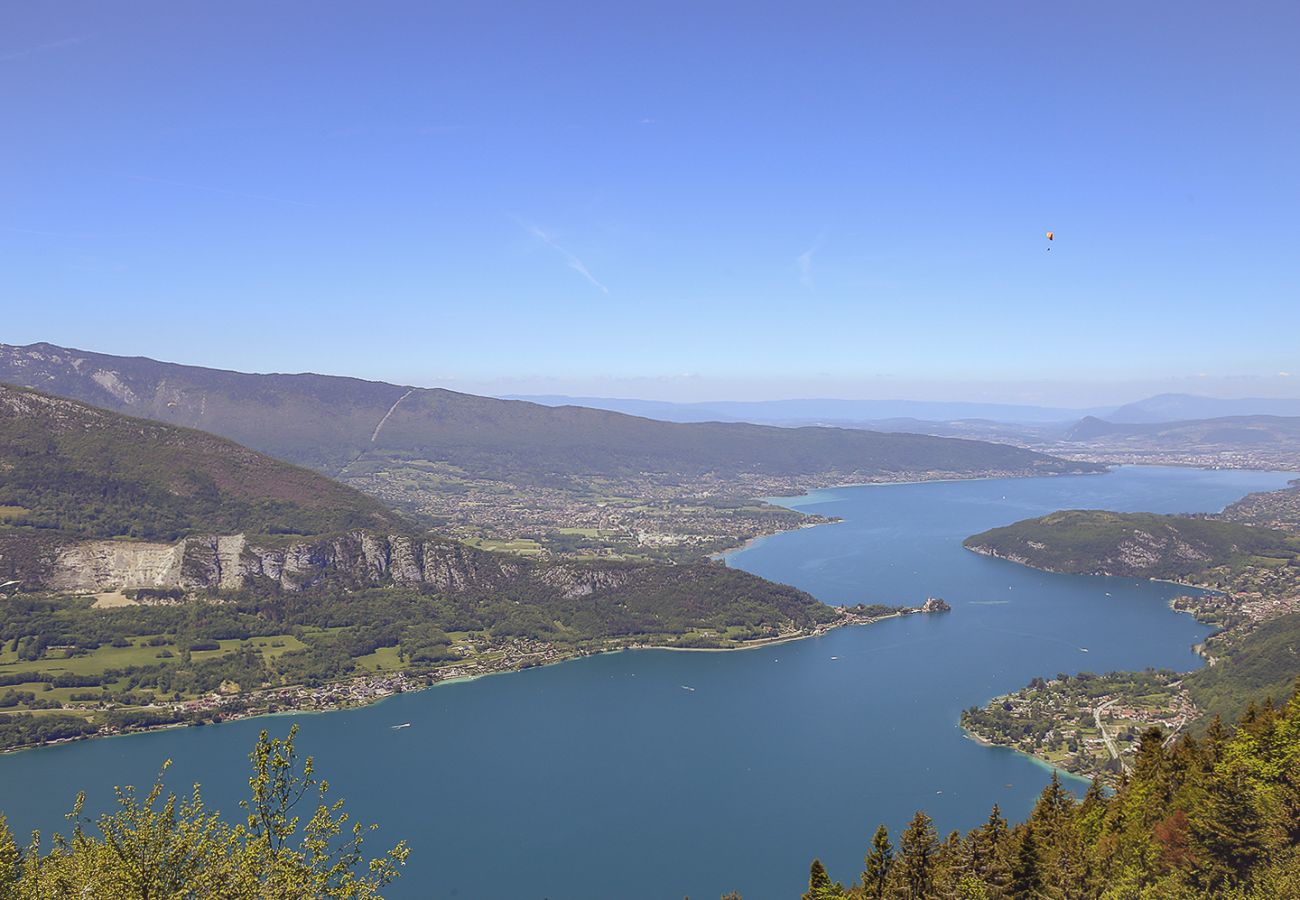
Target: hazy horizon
<point>701,389</point>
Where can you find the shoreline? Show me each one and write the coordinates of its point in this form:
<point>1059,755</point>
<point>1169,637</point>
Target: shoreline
<point>1037,760</point>
<point>428,681</point>
<point>432,681</point>
<point>775,500</point>
<point>721,555</point>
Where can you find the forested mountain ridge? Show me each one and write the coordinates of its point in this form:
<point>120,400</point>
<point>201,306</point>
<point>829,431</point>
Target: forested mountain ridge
<point>1135,545</point>
<point>85,472</point>
<point>314,420</point>
<point>326,421</point>
<point>517,475</point>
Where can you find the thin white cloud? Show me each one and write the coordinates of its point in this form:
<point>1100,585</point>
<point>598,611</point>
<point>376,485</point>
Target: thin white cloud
<point>572,261</point>
<point>42,48</point>
<point>805,263</point>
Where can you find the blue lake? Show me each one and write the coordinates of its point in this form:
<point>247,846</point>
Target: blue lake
<point>606,778</point>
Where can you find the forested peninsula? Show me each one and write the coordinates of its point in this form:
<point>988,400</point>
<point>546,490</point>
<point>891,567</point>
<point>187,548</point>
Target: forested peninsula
<point>1248,578</point>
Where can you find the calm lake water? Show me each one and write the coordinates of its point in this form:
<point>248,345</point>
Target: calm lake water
<point>605,778</point>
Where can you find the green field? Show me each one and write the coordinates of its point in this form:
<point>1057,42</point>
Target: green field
<point>12,512</point>
<point>140,653</point>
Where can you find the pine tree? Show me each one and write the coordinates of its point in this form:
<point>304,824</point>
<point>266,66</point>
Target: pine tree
<point>1026,872</point>
<point>987,849</point>
<point>1215,739</point>
<point>914,869</point>
<point>1054,807</point>
<point>10,862</point>
<point>878,863</point>
<point>1229,829</point>
<point>820,886</point>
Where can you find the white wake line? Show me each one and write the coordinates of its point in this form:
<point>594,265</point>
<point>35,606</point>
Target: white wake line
<point>375,436</point>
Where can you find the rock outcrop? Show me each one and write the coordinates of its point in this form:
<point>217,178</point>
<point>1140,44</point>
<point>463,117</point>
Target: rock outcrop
<point>231,562</point>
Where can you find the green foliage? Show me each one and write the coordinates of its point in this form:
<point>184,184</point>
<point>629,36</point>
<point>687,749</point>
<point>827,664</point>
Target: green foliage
<point>23,729</point>
<point>1261,664</point>
<point>913,872</point>
<point>820,886</point>
<point>627,604</point>
<point>879,860</point>
<point>84,472</point>
<point>163,847</point>
<point>1138,545</point>
<point>1215,817</point>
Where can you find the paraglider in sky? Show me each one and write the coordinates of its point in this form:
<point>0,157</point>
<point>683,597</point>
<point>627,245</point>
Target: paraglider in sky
<point>1050,235</point>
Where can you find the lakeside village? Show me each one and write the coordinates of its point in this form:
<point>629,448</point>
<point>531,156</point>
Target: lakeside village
<point>230,703</point>
<point>1090,725</point>
<point>1085,724</point>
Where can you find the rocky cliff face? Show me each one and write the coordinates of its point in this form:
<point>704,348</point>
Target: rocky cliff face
<point>230,562</point>
<point>354,560</point>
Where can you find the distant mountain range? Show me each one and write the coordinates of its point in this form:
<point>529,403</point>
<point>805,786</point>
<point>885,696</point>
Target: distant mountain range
<point>330,423</point>
<point>1185,407</point>
<point>850,413</point>
<point>924,416</point>
<point>1227,431</point>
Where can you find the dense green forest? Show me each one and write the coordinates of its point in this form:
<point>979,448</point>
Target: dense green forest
<point>85,472</point>
<point>1216,816</point>
<point>1263,663</point>
<point>1138,545</point>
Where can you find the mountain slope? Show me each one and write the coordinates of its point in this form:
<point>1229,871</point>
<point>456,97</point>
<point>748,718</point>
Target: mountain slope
<point>326,422</point>
<point>517,440</point>
<point>1135,545</point>
<point>317,421</point>
<point>1183,407</point>
<point>94,501</point>
<point>1228,432</point>
<point>847,413</point>
<point>82,471</point>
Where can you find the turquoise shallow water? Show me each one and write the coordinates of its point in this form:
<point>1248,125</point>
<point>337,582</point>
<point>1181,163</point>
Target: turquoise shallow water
<point>605,778</point>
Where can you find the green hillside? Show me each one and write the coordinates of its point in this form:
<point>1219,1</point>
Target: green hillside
<point>1136,545</point>
<point>1264,663</point>
<point>519,441</point>
<point>84,472</point>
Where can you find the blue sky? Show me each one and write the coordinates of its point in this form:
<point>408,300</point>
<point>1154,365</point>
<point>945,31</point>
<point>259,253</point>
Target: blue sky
<point>684,201</point>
